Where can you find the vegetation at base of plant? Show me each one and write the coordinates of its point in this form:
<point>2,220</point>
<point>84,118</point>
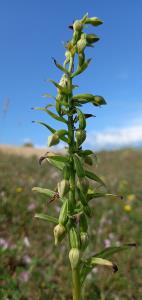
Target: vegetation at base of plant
<point>27,249</point>
<point>73,191</point>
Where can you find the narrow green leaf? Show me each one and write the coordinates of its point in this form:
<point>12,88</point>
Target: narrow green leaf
<point>47,218</point>
<point>85,152</point>
<point>60,158</point>
<point>45,125</point>
<point>109,251</point>
<point>78,166</point>
<point>99,195</point>
<point>43,191</point>
<point>46,95</point>
<point>82,68</point>
<point>60,67</point>
<point>58,164</point>
<point>51,114</point>
<point>64,139</point>
<point>75,86</point>
<point>94,177</point>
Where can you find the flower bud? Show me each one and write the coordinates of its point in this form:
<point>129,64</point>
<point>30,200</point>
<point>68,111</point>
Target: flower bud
<point>81,44</point>
<point>93,21</point>
<point>81,58</point>
<point>59,232</point>
<point>83,224</point>
<point>65,82</point>
<point>77,25</point>
<point>66,172</point>
<point>84,240</point>
<point>74,256</point>
<point>92,38</point>
<point>88,160</point>
<point>53,140</point>
<point>74,238</point>
<point>63,216</point>
<point>80,136</point>
<point>63,187</point>
<point>98,100</point>
<point>83,184</point>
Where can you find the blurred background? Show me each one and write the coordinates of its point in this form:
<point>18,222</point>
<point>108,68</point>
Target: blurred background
<point>31,33</point>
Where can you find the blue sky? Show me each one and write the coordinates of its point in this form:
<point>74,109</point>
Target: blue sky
<point>33,31</point>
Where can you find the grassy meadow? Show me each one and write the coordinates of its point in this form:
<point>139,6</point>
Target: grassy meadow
<point>31,267</point>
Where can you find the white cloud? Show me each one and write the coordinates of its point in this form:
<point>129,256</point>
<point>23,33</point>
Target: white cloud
<point>116,137</point>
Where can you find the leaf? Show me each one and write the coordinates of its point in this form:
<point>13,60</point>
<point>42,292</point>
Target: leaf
<point>46,95</point>
<point>100,258</point>
<point>75,86</point>
<point>47,218</point>
<point>51,114</point>
<point>43,191</point>
<point>64,139</point>
<point>88,265</point>
<point>82,68</point>
<point>85,152</point>
<point>89,116</point>
<point>59,158</point>
<point>101,261</point>
<point>58,164</point>
<point>84,18</point>
<point>99,195</point>
<point>60,67</point>
<point>94,177</point>
<point>109,251</point>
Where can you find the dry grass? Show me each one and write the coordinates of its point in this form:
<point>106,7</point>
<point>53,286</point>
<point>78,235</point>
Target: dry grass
<point>24,151</point>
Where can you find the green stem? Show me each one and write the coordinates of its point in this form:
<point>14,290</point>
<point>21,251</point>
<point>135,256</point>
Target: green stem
<point>76,291</point>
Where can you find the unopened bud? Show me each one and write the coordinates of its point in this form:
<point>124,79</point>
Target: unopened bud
<point>98,100</point>
<point>77,25</point>
<point>74,256</point>
<point>81,44</point>
<point>83,184</point>
<point>92,38</point>
<point>80,136</point>
<point>88,160</point>
<point>53,140</point>
<point>59,232</point>
<point>93,21</point>
<point>63,187</point>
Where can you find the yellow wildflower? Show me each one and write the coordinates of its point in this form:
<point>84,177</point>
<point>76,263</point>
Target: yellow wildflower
<point>131,197</point>
<point>19,189</point>
<point>127,207</point>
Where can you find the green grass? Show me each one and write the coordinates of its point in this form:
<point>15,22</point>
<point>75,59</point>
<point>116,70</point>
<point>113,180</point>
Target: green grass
<point>29,253</point>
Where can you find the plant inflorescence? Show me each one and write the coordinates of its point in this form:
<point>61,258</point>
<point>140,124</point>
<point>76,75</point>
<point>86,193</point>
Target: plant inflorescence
<point>75,191</point>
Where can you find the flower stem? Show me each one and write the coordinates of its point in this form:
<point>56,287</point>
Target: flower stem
<point>76,291</point>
